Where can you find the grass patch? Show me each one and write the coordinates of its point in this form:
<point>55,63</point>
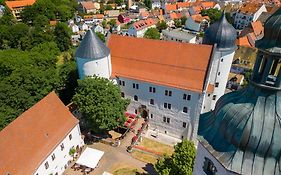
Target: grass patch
<point>157,146</point>
<point>144,157</point>
<point>126,171</point>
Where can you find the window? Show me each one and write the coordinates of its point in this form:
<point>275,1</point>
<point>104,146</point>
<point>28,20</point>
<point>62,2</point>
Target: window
<point>136,98</point>
<point>222,60</point>
<point>168,93</point>
<point>166,119</point>
<point>185,109</point>
<point>151,115</point>
<point>53,156</point>
<point>121,83</point>
<point>136,111</point>
<point>47,165</point>
<point>216,84</point>
<point>184,124</point>
<point>62,146</point>
<point>70,136</point>
<point>167,106</point>
<point>135,86</point>
<point>152,89</point>
<point>186,97</point>
<point>151,101</point>
<point>214,97</point>
<point>122,94</point>
<point>219,73</point>
<point>209,167</point>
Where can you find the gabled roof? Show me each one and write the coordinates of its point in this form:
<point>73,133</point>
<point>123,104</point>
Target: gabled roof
<point>166,63</point>
<point>21,3</point>
<point>171,7</point>
<point>88,5</point>
<point>142,24</point>
<point>257,28</point>
<point>29,139</point>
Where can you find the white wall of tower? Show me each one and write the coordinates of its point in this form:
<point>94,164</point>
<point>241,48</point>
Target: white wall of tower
<point>90,67</point>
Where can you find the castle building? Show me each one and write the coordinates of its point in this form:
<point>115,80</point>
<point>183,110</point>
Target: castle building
<point>242,134</point>
<point>170,83</point>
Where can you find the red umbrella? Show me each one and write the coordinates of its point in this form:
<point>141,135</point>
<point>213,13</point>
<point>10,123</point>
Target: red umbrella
<point>135,138</point>
<point>126,124</point>
<point>132,116</point>
<point>129,120</point>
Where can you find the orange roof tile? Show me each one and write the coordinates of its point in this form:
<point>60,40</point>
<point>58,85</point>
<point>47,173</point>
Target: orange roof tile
<point>166,63</point>
<point>99,16</point>
<point>21,3</point>
<point>250,8</point>
<point>171,7</point>
<point>161,18</point>
<point>199,18</point>
<point>243,41</point>
<point>53,23</point>
<point>173,15</point>
<point>257,27</point>
<point>29,139</point>
<point>208,4</point>
<point>197,9</point>
<point>88,5</point>
<point>183,4</point>
<point>139,25</point>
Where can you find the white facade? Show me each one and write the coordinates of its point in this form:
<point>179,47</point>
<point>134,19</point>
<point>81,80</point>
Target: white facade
<point>99,29</point>
<point>179,36</point>
<point>75,28</point>
<point>174,121</point>
<point>138,33</point>
<point>201,167</point>
<point>58,159</point>
<point>242,20</point>
<point>84,27</point>
<point>220,68</point>
<point>156,4</point>
<point>90,67</point>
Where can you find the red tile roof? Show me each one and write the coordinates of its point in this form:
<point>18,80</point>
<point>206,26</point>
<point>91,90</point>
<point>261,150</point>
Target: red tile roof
<point>139,25</point>
<point>257,27</point>
<point>88,5</point>
<point>179,65</point>
<point>171,7</point>
<point>183,4</point>
<point>208,4</point>
<point>29,139</point>
<point>18,4</point>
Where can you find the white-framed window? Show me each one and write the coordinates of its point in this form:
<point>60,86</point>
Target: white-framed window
<point>167,106</point>
<point>166,120</point>
<point>217,84</point>
<point>121,83</point>
<point>70,136</point>
<point>62,146</point>
<point>135,86</point>
<point>184,124</point>
<point>46,165</point>
<point>53,156</point>
<point>214,97</point>
<point>151,115</point>
<point>152,89</point>
<point>185,110</point>
<point>151,101</point>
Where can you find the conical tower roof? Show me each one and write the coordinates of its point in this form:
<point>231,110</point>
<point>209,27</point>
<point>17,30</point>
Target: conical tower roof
<point>91,47</point>
<point>221,33</point>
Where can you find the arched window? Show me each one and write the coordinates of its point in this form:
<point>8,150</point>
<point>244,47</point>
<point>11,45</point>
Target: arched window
<point>136,98</point>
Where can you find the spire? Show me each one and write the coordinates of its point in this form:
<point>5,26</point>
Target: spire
<point>92,47</point>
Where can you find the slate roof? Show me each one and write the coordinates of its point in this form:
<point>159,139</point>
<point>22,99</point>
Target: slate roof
<point>92,47</point>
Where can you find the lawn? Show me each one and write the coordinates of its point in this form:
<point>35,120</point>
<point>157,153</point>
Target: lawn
<point>156,146</point>
<point>145,157</point>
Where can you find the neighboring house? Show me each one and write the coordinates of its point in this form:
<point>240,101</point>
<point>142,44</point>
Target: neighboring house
<point>112,13</point>
<point>235,81</point>
<point>144,15</point>
<point>138,28</point>
<point>197,23</point>
<point>17,6</point>
<point>168,8</point>
<point>178,36</point>
<point>88,19</point>
<point>98,28</point>
<point>183,5</point>
<point>124,18</point>
<point>170,83</point>
<point>98,18</point>
<point>39,140</point>
<point>75,39</point>
<point>248,13</point>
<point>83,26</point>
<point>156,4</point>
<point>74,28</point>
<point>195,10</point>
<point>88,7</point>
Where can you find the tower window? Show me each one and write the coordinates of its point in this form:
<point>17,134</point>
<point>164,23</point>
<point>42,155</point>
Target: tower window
<point>152,89</point>
<point>46,165</point>
<point>184,124</point>
<point>168,93</point>
<point>185,109</point>
<point>151,101</point>
<point>166,119</point>
<point>219,73</point>
<point>122,94</point>
<point>216,84</point>
<point>62,146</point>
<point>53,156</point>
<point>136,111</point>
<point>214,97</point>
<point>135,86</point>
<point>136,98</point>
<point>167,106</point>
<point>151,115</point>
<point>121,83</point>
<point>222,60</point>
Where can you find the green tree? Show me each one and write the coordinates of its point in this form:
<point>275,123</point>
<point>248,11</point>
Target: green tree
<point>183,20</point>
<point>65,12</point>
<point>178,23</point>
<point>119,2</point>
<point>148,4</point>
<point>41,21</point>
<point>152,33</point>
<point>100,102</point>
<point>180,163</point>
<point>161,25</point>
<point>101,36</point>
<point>213,13</point>
<point>103,23</point>
<point>62,36</point>
<point>112,22</point>
<point>108,7</point>
<point>7,18</point>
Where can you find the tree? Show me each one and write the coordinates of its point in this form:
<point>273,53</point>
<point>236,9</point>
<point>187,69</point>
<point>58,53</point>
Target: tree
<point>101,36</point>
<point>180,163</point>
<point>112,22</point>
<point>108,7</point>
<point>119,2</point>
<point>65,12</point>
<point>41,21</point>
<point>178,23</point>
<point>148,4</point>
<point>103,23</point>
<point>152,33</point>
<point>101,104</point>
<point>213,13</point>
<point>183,20</point>
<point>161,25</point>
<point>62,36</point>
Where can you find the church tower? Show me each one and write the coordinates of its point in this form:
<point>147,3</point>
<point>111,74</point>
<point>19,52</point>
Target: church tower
<point>93,57</point>
<point>222,35</point>
<point>242,134</point>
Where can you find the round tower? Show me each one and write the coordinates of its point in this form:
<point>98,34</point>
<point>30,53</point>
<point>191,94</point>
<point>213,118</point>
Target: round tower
<point>93,57</point>
<point>242,134</point>
<point>222,35</point>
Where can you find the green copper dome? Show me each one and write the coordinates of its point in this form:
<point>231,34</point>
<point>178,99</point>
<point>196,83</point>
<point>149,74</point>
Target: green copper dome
<point>272,35</point>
